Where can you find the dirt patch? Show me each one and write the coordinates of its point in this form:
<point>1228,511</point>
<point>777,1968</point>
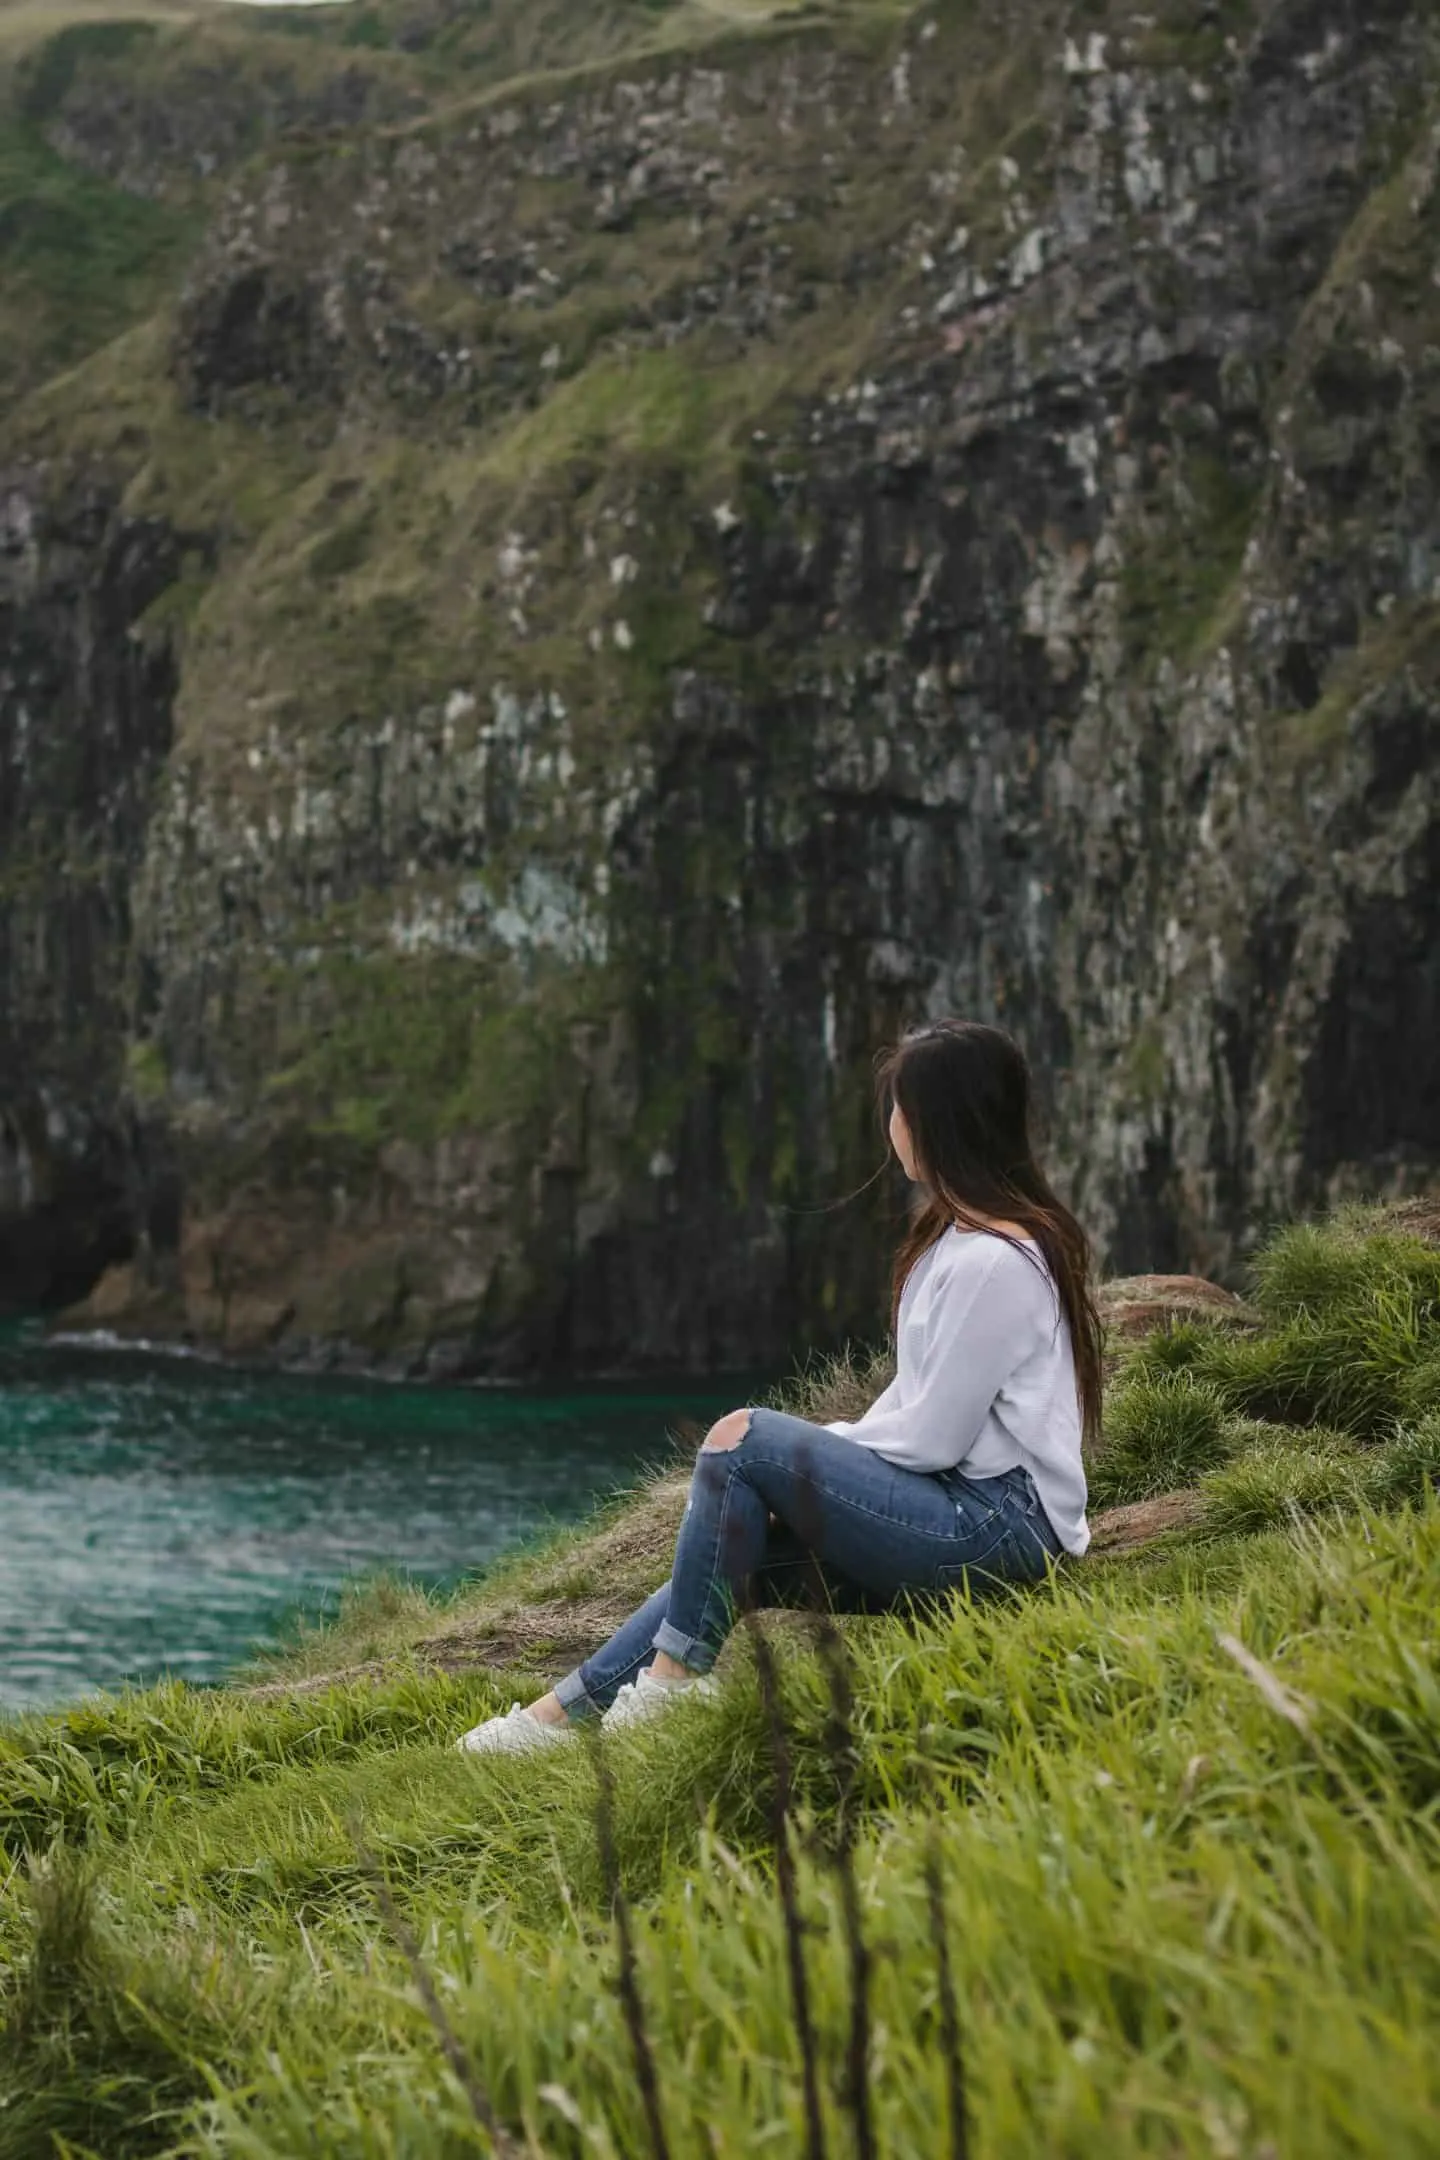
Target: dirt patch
<point>1127,1529</point>
<point>1419,1217</point>
<point>1135,1305</point>
<point>643,1538</point>
<point>545,1639</point>
<point>537,1637</point>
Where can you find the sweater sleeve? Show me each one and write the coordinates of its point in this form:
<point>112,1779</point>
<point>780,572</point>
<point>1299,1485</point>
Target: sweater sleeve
<point>980,1328</point>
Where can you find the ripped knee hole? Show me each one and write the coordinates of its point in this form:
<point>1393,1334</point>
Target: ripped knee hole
<point>727,1432</point>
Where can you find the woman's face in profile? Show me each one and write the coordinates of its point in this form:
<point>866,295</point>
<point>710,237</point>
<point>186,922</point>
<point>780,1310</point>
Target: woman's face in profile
<point>900,1141</point>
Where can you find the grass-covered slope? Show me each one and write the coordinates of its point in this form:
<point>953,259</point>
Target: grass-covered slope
<point>121,121</point>
<point>1176,1814</point>
<point>81,259</point>
<point>1322,1393</point>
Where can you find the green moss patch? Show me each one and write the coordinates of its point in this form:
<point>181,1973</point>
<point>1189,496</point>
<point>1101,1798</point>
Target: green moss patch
<point>1186,558</point>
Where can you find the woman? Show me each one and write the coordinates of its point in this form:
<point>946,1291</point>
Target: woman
<point>967,1468</point>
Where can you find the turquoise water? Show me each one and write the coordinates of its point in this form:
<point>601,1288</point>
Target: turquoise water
<point>162,1515</point>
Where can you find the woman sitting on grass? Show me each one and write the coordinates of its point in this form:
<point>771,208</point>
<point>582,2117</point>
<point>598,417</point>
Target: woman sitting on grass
<point>967,1468</point>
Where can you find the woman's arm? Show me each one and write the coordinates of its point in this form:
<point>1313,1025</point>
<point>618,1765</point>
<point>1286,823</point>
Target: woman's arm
<point>981,1325</point>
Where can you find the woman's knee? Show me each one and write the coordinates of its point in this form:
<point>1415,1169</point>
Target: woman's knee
<point>727,1432</point>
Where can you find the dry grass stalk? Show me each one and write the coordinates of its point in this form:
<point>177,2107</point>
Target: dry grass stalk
<point>628,1976</point>
<point>840,1743</point>
<point>768,1679</point>
<point>506,2146</point>
<point>1282,1701</point>
<point>959,2119</point>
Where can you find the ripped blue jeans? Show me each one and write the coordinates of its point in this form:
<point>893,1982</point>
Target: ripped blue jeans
<point>796,1515</point>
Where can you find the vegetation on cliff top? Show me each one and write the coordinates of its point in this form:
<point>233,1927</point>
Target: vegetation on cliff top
<point>120,121</point>
<point>1181,1806</point>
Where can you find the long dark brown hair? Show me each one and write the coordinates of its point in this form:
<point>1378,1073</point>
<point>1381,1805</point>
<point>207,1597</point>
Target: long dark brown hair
<point>964,1091</point>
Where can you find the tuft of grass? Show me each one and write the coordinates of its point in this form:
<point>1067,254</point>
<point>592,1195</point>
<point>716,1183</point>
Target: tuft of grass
<point>1274,1483</point>
<point>1420,1387</point>
<point>1174,1347</point>
<point>1347,1369</point>
<point>1160,1433</point>
<point>91,2053</point>
<point>85,1775</point>
<point>1407,1472</point>
<point>1332,1272</point>
<point>1352,1330</point>
<point>834,1385</point>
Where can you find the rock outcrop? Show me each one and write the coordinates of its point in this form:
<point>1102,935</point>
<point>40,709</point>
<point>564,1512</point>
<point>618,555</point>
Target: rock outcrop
<point>596,607</point>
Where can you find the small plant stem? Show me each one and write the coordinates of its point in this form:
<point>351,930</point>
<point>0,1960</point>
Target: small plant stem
<point>450,2044</point>
<point>949,2016</point>
<point>628,1975</point>
<point>840,1743</point>
<point>780,1809</point>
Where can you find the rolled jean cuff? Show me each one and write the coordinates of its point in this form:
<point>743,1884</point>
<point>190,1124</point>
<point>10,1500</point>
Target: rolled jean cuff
<point>575,1698</point>
<point>685,1649</point>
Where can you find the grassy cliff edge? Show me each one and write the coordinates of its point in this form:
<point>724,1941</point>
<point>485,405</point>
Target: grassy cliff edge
<point>1179,1808</point>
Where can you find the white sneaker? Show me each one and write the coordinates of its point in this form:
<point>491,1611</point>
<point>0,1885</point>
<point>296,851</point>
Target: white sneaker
<point>644,1696</point>
<point>517,1733</point>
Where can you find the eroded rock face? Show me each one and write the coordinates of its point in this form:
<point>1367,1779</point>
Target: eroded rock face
<point>759,549</point>
<point>85,726</point>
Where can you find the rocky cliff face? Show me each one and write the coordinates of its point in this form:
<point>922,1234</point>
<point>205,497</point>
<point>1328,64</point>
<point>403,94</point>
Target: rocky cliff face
<point>595,607</point>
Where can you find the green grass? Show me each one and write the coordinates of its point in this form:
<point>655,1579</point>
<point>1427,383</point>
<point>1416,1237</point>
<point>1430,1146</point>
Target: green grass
<point>1191,1900</point>
<point>1349,1339</point>
<point>1167,1910</point>
<point>1160,1433</point>
<point>485,1040</point>
<point>47,74</point>
<point>1315,1271</point>
<point>1280,1477</point>
<point>1186,557</point>
<point>80,260</point>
